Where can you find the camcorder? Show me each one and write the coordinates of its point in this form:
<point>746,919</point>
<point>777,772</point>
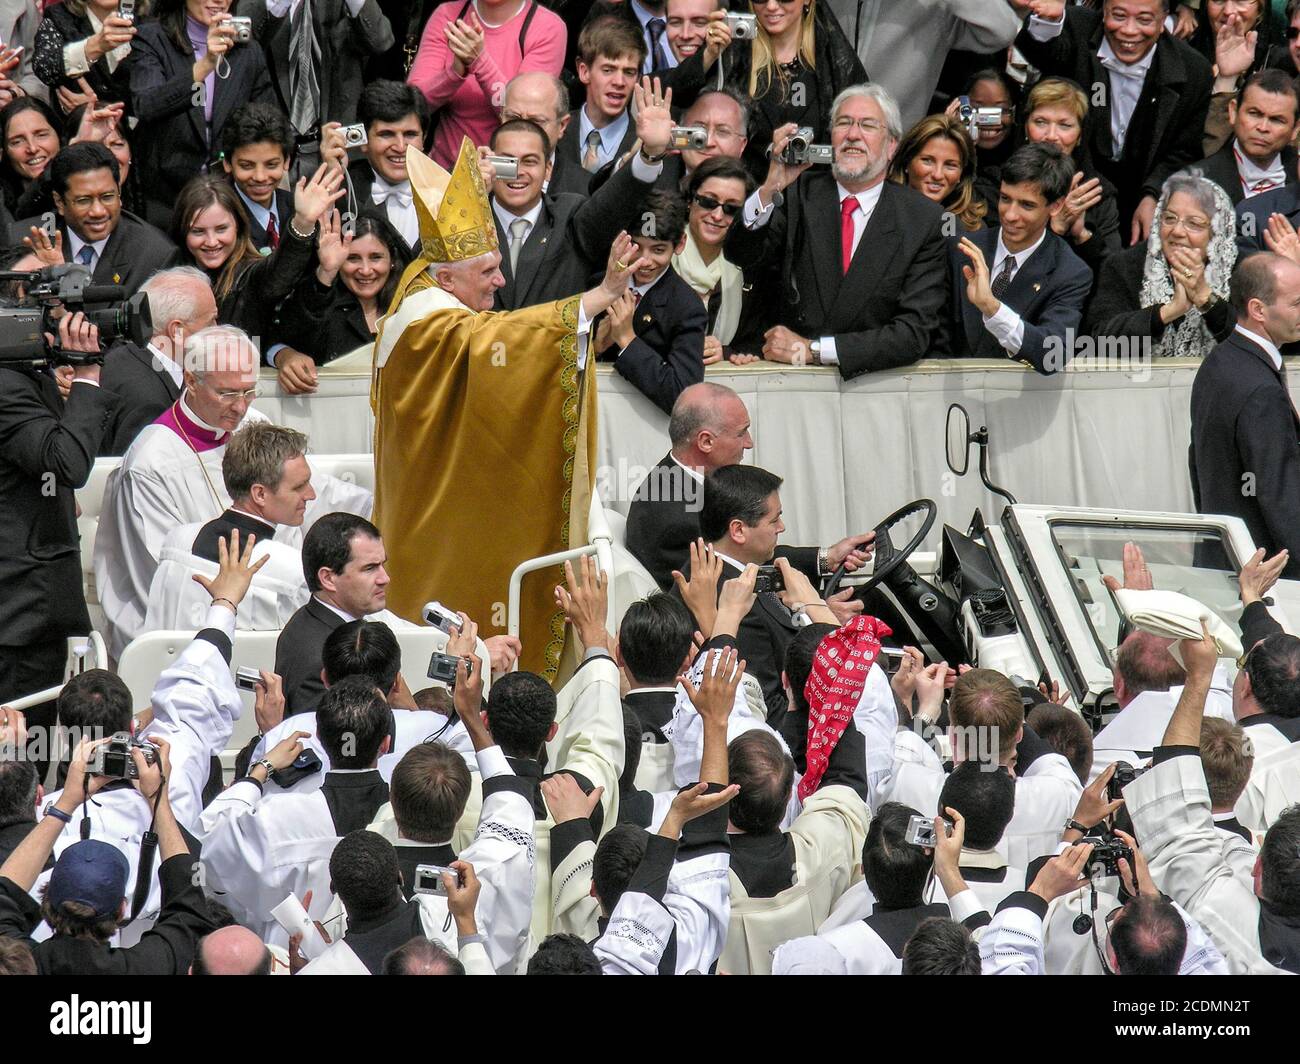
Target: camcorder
<point>50,292</point>
<point>800,149</point>
<point>769,578</point>
<point>428,879</point>
<point>242,26</point>
<point>1107,850</point>
<point>744,27</point>
<point>114,760</point>
<point>690,138</point>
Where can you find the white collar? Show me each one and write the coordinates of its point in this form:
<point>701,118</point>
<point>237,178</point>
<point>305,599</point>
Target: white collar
<point>506,218</point>
<point>1021,256</point>
<point>166,362</point>
<point>694,474</point>
<point>199,421</point>
<point>867,198</point>
<point>641,290</point>
<point>1251,174</point>
<point>381,183</point>
<point>1264,342</point>
<point>1219,818</point>
<point>649,690</point>
<point>334,609</point>
<point>1136,70</point>
<point>729,560</point>
<point>254,517</point>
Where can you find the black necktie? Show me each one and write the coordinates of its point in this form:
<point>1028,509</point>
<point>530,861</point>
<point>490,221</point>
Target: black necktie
<point>1003,280</point>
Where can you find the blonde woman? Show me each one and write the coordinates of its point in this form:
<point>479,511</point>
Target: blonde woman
<point>793,69</point>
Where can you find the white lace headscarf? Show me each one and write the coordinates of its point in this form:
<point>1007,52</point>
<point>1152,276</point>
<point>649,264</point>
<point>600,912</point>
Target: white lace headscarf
<point>1188,337</point>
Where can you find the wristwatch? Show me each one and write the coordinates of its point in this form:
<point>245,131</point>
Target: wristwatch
<point>815,346</point>
<point>652,159</point>
<point>266,764</point>
<point>1074,825</point>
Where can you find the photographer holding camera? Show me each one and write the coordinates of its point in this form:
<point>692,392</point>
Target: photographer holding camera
<point>84,900</point>
<point>47,451</point>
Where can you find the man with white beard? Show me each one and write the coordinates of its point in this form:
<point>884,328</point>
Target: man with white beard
<point>171,476</point>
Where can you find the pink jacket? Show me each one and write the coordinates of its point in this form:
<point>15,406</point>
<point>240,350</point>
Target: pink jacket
<point>471,104</point>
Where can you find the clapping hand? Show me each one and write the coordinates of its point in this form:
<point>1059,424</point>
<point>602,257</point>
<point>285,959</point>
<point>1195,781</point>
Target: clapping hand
<point>235,570</point>
<point>465,39</point>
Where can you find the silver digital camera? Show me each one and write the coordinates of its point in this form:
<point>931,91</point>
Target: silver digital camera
<point>693,138</point>
<point>126,10</point>
<point>428,879</point>
<point>113,759</point>
<point>354,136</point>
<point>242,26</point>
<point>920,830</point>
<point>504,168</point>
<point>978,117</point>
<point>744,26</point>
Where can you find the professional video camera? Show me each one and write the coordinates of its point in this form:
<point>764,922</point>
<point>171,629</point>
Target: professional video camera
<point>66,287</point>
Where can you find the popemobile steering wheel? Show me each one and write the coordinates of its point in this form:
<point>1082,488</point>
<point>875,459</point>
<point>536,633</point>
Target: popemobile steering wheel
<point>888,559</point>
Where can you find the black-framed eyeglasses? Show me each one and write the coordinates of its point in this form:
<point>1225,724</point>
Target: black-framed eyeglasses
<point>709,204</point>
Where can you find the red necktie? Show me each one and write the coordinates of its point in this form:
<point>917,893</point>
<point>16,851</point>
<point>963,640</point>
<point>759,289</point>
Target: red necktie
<point>272,232</point>
<point>847,207</point>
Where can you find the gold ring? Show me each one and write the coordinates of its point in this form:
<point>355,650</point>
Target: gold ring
<point>620,264</point>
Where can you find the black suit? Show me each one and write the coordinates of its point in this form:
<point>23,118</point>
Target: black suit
<point>570,150</point>
<point>359,201</point>
<point>568,244</point>
<point>1047,290</point>
<point>144,390</point>
<point>1244,434</point>
<point>346,44</point>
<point>284,211</point>
<point>323,322</point>
<point>174,141</point>
<point>654,709</point>
<point>135,252</point>
<point>47,451</point>
<point>884,311</point>
<point>664,520</point>
<point>1221,168</point>
<point>667,354</point>
<point>219,528</point>
<point>298,654</point>
<point>1164,134</point>
<point>1253,215</point>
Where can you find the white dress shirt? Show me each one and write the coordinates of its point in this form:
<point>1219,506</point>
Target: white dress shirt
<point>167,364</point>
<point>1126,79</point>
<point>1007,327</point>
<point>1257,179</point>
<point>1269,347</point>
<point>399,204</point>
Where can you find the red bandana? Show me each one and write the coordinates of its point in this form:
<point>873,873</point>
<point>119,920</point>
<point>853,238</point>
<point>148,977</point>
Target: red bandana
<point>834,688</point>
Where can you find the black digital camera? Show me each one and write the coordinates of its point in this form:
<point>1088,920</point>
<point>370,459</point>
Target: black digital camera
<point>1107,850</point>
<point>1124,775</point>
<point>114,760</point>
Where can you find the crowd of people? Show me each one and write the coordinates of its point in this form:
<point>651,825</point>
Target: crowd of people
<point>738,779</point>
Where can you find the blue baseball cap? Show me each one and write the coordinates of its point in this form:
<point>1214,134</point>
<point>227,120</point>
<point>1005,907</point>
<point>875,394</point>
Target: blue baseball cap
<point>91,872</point>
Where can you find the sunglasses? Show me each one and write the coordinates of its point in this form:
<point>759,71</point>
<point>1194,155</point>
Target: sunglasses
<point>709,204</point>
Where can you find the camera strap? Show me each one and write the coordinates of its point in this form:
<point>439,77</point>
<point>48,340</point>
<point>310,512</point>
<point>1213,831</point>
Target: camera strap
<point>144,865</point>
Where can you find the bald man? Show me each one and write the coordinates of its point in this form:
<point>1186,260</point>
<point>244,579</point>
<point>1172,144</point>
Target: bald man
<point>232,950</point>
<point>708,428</point>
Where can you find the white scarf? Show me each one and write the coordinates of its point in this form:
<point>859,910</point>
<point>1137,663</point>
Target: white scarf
<point>704,277</point>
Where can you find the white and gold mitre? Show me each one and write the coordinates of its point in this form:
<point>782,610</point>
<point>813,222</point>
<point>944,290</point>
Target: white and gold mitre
<point>455,216</point>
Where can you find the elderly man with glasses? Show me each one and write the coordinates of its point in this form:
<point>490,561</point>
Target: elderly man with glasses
<point>172,475</point>
<point>863,271</point>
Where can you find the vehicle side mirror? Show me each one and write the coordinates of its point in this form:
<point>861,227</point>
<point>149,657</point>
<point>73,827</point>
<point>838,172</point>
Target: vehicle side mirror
<point>958,439</point>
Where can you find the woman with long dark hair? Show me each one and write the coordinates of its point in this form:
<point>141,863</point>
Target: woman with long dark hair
<point>179,130</point>
<point>937,158</point>
<point>210,227</point>
<point>29,139</point>
<point>339,309</point>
